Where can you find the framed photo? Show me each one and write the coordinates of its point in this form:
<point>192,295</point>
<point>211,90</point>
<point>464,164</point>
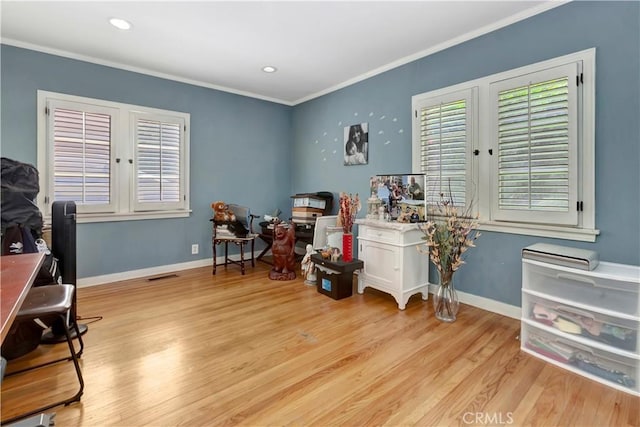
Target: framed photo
<point>356,144</point>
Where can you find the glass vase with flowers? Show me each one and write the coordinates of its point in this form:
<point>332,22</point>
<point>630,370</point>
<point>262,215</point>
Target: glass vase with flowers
<point>449,233</point>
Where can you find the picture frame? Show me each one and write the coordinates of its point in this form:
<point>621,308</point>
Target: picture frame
<point>356,144</point>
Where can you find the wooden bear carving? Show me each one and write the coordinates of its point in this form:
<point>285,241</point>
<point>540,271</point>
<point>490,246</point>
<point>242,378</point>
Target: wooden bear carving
<point>284,257</point>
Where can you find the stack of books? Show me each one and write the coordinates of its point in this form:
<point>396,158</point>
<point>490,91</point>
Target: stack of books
<point>223,231</point>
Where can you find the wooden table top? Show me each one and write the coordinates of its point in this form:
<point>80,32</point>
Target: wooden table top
<point>17,275</point>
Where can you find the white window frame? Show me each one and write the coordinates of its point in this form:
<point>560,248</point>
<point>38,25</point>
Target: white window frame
<point>123,204</point>
<point>484,139</point>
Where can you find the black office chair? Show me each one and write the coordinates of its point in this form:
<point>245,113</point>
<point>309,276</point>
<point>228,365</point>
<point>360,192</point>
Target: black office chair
<point>48,303</point>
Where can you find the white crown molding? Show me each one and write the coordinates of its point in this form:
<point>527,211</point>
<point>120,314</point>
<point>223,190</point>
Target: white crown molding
<point>442,46</point>
<point>449,43</point>
<point>90,59</point>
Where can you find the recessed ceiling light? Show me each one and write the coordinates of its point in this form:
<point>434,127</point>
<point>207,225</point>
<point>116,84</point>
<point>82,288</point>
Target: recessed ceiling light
<point>269,69</point>
<point>120,24</point>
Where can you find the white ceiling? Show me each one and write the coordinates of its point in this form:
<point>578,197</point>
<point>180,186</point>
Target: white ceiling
<point>317,46</point>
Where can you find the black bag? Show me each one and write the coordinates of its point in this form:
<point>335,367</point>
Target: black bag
<point>49,273</point>
<point>22,338</point>
<point>20,186</point>
<point>18,240</point>
<point>21,226</point>
<point>238,229</point>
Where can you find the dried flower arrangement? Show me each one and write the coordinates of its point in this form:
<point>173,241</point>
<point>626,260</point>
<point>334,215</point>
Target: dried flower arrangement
<point>449,234</point>
<point>349,207</point>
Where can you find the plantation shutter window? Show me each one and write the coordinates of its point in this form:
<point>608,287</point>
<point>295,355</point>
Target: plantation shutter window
<point>81,143</point>
<point>536,159</point>
<point>445,130</point>
<point>158,143</point>
<point>518,147</point>
<point>117,162</point>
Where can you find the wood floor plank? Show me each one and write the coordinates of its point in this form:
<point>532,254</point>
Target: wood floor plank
<point>203,350</point>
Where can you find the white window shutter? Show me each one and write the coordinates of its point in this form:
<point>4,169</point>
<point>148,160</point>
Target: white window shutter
<point>445,140</point>
<point>81,155</point>
<point>159,181</point>
<point>536,138</point>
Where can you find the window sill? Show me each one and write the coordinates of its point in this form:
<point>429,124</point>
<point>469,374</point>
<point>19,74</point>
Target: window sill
<point>83,218</point>
<point>567,233</point>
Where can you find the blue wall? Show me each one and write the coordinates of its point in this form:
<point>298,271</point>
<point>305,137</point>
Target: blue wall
<point>493,269</point>
<point>299,149</point>
<point>240,151</point>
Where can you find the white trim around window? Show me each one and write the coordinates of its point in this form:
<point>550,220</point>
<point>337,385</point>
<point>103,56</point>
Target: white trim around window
<point>116,161</point>
<point>572,216</point>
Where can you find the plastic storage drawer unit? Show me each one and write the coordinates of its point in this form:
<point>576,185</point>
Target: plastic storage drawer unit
<point>586,321</point>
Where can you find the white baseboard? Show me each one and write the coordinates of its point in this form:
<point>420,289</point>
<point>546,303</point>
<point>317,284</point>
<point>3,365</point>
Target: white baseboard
<point>465,298</point>
<point>487,304</point>
<point>144,272</point>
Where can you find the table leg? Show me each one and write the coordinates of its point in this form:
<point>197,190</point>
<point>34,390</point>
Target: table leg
<point>226,254</point>
<point>253,261</point>
<point>269,241</point>
<point>242,257</point>
<point>214,257</point>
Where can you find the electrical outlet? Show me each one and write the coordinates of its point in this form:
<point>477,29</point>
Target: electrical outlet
<point>195,249</point>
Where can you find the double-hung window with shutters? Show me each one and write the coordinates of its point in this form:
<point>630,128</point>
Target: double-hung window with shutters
<point>115,161</point>
<point>516,147</point>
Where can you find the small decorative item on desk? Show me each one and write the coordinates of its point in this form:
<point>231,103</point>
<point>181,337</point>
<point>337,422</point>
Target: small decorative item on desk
<point>448,234</point>
<point>335,255</point>
<point>349,207</point>
<point>373,205</point>
<point>308,267</point>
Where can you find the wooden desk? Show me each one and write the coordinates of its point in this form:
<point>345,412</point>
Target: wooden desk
<point>17,275</point>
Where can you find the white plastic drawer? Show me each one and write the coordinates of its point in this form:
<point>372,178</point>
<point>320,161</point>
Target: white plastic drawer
<point>605,329</point>
<point>600,288</point>
<point>607,367</point>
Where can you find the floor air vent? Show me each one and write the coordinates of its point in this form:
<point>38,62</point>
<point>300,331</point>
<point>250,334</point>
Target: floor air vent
<point>166,276</point>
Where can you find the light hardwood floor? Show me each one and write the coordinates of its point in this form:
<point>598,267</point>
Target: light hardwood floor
<point>203,350</point>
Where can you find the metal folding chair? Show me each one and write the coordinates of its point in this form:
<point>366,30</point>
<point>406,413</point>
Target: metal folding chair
<point>47,303</point>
